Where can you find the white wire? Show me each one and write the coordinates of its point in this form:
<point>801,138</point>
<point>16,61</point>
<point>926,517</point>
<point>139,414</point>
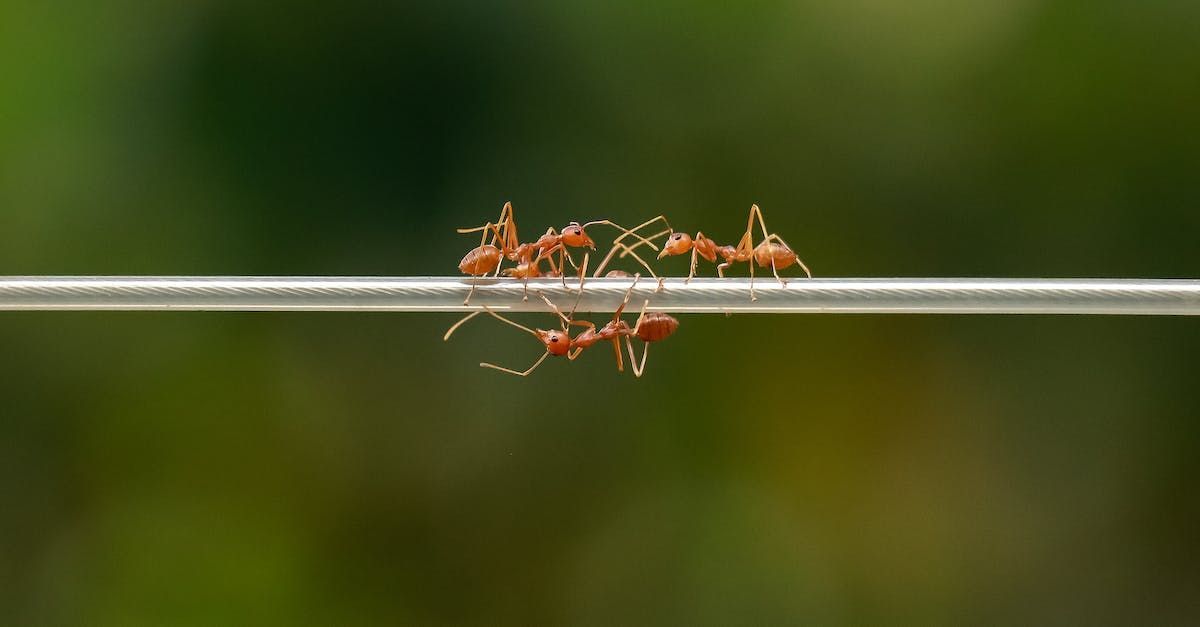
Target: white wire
<point>732,295</point>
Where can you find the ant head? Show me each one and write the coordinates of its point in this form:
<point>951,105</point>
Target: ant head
<point>677,244</point>
<point>557,342</point>
<point>574,236</point>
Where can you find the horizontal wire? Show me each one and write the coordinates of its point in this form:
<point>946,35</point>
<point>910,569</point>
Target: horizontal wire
<point>708,295</point>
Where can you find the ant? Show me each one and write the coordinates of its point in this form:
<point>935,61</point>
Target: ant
<point>488,257</point>
<point>772,251</point>
<point>574,235</point>
<point>483,259</point>
<point>649,328</point>
<point>557,343</point>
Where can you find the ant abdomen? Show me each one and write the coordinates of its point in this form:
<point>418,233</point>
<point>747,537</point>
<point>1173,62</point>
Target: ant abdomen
<point>480,260</point>
<point>656,326</point>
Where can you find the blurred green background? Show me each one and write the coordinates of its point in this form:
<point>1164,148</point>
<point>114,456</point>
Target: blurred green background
<point>291,469</point>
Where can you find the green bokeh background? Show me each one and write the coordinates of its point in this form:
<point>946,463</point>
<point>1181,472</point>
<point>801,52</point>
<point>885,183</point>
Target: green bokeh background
<point>291,469</point>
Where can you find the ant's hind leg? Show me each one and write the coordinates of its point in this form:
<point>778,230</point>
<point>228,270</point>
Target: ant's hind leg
<point>752,296</point>
<point>799,261</point>
<point>511,371</point>
<point>638,369</point>
<point>472,292</point>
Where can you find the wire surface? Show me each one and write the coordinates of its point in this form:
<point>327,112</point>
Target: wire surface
<point>708,295</point>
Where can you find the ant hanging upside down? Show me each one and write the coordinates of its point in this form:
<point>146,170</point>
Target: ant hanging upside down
<point>650,327</point>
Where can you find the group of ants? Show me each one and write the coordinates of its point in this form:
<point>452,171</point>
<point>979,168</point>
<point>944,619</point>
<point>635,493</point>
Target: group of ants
<point>499,243</point>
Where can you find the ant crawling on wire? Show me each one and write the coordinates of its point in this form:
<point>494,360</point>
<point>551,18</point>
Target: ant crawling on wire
<point>649,328</point>
<point>483,259</point>
<point>488,257</point>
<point>574,235</point>
<point>772,251</point>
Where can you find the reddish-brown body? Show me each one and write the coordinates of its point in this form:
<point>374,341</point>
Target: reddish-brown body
<point>768,252</point>
<point>706,247</point>
<point>699,246</point>
<point>557,343</point>
<point>656,326</point>
<point>480,261</point>
<point>650,327</point>
<point>610,331</point>
<point>524,270</point>
<point>772,252</point>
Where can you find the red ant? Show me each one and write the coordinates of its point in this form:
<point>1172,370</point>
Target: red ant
<point>488,257</point>
<point>574,236</point>
<point>772,251</point>
<point>651,327</point>
<point>483,259</point>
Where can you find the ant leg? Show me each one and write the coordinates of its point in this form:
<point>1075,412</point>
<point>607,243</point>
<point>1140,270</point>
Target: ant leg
<point>607,258</point>
<point>626,249</point>
<point>507,321</point>
<point>510,228</point>
<point>755,211</point>
<point>563,258</point>
<point>642,261</point>
<point>637,369</point>
<point>798,260</point>
<point>645,224</point>
<point>472,292</point>
<point>519,374</point>
<point>583,270</point>
<point>692,272</point>
<point>721,269</point>
<point>461,322</point>
<point>565,320</point>
<point>626,231</point>
<point>616,342</point>
<point>628,293</point>
<point>745,249</point>
<point>751,264</point>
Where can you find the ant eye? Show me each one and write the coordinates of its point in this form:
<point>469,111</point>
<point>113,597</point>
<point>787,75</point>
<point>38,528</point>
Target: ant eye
<point>554,339</point>
<point>677,236</point>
